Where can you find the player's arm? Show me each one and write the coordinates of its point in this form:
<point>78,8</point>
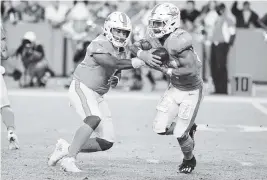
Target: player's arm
<point>178,71</point>
<point>107,60</point>
<point>189,63</point>
<point>135,47</point>
<point>141,49</point>
<point>114,80</point>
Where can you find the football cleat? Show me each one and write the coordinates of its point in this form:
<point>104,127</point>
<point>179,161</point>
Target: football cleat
<point>13,140</point>
<point>61,150</point>
<point>188,166</point>
<point>68,165</point>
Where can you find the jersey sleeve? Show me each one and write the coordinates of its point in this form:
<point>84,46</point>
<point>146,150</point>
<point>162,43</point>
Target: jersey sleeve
<point>180,41</point>
<point>96,47</point>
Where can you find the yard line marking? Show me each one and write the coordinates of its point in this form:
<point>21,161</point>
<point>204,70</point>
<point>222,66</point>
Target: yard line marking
<point>225,128</point>
<point>245,163</point>
<point>152,161</point>
<point>135,96</point>
<point>251,128</point>
<point>260,107</point>
<point>204,127</point>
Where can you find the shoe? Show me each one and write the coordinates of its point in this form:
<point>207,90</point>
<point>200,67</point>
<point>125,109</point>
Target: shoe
<point>13,140</point>
<point>68,165</point>
<point>61,150</point>
<point>188,166</point>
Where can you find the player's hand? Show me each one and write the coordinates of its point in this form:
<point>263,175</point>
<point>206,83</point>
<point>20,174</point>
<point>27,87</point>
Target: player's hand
<point>161,68</point>
<point>114,80</point>
<point>150,59</point>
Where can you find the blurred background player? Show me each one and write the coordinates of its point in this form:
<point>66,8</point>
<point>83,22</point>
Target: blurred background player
<point>6,112</point>
<point>93,77</point>
<point>177,110</point>
<point>35,70</point>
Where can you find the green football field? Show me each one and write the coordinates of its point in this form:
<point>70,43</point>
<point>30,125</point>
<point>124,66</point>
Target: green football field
<point>231,141</point>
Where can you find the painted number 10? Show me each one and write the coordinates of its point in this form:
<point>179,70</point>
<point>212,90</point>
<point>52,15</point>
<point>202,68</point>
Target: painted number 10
<point>241,84</point>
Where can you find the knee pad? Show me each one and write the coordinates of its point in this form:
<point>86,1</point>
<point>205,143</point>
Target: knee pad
<point>104,144</point>
<point>92,121</point>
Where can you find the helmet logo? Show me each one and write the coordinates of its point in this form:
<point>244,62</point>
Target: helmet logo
<point>174,11</point>
<point>123,19</point>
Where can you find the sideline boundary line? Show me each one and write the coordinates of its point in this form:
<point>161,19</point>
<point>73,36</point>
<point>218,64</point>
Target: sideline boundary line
<point>260,107</point>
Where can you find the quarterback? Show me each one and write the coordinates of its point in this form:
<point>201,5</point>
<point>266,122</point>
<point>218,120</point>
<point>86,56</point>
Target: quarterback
<point>106,56</point>
<point>178,107</point>
<point>6,112</point>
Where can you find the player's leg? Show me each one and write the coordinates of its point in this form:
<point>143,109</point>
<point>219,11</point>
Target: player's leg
<point>95,145</point>
<point>103,142</point>
<point>7,115</point>
<point>167,110</point>
<point>85,103</point>
<point>185,120</point>
<point>105,131</point>
<point>192,132</point>
<point>92,118</point>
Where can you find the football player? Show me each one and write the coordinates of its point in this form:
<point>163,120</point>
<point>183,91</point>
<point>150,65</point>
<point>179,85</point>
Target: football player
<point>7,113</point>
<point>177,109</point>
<point>93,77</point>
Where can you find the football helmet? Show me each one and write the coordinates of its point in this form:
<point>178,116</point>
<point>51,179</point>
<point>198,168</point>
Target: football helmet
<point>164,19</point>
<point>119,21</point>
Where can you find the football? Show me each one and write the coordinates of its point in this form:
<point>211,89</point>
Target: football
<point>163,53</point>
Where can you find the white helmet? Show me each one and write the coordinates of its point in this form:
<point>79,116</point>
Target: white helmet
<point>118,20</point>
<point>166,17</point>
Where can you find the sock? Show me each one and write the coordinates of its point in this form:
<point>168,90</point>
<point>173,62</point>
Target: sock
<point>8,117</point>
<point>187,146</point>
<point>80,137</point>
